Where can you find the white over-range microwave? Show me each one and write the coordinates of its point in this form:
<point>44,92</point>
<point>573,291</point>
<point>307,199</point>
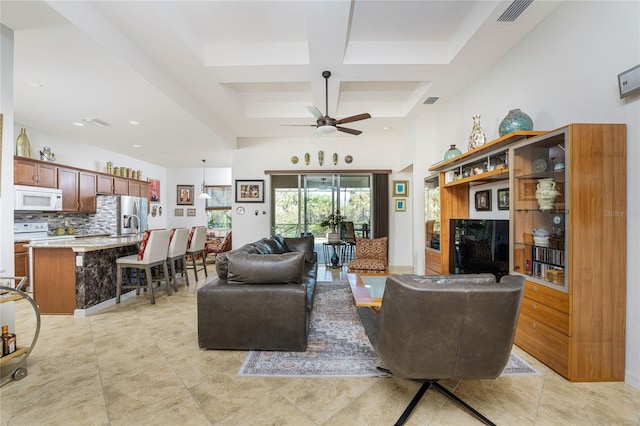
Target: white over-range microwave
<point>34,198</point>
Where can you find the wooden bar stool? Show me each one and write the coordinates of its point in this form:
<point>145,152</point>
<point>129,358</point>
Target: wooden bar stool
<point>195,247</point>
<point>153,252</point>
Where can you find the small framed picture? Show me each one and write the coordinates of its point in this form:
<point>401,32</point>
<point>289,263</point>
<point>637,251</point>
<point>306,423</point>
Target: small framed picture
<point>503,199</point>
<point>178,212</point>
<point>249,191</point>
<point>191,212</point>
<point>400,188</point>
<point>154,190</point>
<point>401,205</point>
<point>184,195</point>
<point>483,201</point>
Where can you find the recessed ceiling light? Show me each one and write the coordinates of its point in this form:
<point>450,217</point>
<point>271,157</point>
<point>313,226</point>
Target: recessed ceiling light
<point>135,145</point>
<point>134,123</point>
<point>385,128</point>
<point>78,124</point>
<point>95,122</point>
<point>32,83</point>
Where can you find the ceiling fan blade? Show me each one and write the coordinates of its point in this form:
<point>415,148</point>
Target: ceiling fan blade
<point>299,125</point>
<point>354,118</point>
<point>315,112</point>
<point>350,131</point>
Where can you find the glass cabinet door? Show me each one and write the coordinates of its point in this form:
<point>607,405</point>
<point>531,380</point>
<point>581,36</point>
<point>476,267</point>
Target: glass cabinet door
<point>539,214</point>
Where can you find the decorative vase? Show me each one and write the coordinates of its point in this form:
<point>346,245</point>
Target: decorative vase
<point>477,137</point>
<point>335,158</point>
<point>452,152</point>
<point>515,120</point>
<point>307,158</point>
<point>320,157</point>
<point>546,193</point>
<point>23,147</point>
<point>334,259</point>
<point>47,155</point>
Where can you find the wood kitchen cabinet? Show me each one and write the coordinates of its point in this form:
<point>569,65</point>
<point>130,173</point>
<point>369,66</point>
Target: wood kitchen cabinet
<point>21,261</point>
<point>78,190</point>
<point>34,173</point>
<point>111,185</point>
<point>134,188</point>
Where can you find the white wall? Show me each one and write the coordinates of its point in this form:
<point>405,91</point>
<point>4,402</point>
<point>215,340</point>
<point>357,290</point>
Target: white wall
<point>191,176</point>
<point>254,156</point>
<point>565,71</point>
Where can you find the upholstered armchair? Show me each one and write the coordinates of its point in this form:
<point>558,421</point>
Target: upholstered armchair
<point>445,327</point>
<point>224,246</point>
<point>371,255</point>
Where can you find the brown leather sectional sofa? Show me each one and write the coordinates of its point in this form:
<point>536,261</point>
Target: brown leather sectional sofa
<point>262,297</point>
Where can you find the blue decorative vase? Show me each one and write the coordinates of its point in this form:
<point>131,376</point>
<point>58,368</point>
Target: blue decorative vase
<point>515,120</point>
<point>451,153</point>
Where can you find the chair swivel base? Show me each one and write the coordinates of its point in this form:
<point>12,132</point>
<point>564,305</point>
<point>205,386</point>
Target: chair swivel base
<point>437,386</point>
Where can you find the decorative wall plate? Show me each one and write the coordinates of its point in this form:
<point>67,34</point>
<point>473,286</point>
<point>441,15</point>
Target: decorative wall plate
<point>348,159</point>
<point>294,160</point>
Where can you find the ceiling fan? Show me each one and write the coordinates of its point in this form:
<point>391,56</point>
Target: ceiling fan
<point>324,123</point>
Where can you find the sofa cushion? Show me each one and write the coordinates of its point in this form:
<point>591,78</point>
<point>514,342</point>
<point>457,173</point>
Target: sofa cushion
<point>247,268</point>
<point>279,240</point>
<point>302,245</point>
<point>368,265</point>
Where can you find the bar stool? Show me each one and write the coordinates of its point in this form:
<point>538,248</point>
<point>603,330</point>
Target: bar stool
<point>153,252</point>
<point>195,247</point>
<point>176,253</point>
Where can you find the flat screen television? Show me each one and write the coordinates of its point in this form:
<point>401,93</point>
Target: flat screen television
<point>479,246</point>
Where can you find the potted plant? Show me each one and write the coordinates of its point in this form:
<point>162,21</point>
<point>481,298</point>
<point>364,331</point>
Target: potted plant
<point>334,222</point>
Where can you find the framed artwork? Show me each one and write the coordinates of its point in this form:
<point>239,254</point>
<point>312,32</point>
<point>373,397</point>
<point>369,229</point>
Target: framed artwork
<point>503,199</point>
<point>401,205</point>
<point>184,195</point>
<point>527,189</point>
<point>249,191</point>
<point>191,212</point>
<point>178,212</point>
<point>154,190</point>
<point>483,201</point>
<point>400,188</point>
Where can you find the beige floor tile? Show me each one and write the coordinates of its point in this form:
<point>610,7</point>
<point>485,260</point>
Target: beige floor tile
<point>138,364</point>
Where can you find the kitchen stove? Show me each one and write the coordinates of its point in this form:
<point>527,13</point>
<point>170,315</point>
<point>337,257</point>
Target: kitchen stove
<point>33,231</point>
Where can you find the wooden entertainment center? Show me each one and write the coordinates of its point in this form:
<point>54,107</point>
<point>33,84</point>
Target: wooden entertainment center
<point>573,312</point>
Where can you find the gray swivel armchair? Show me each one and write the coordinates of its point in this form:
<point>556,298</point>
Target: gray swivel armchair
<point>445,327</point>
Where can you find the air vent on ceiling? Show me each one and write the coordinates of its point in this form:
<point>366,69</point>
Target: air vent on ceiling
<point>95,122</point>
<point>431,100</point>
<point>514,10</point>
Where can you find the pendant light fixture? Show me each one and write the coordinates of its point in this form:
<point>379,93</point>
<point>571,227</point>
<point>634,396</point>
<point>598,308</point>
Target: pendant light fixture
<point>204,195</point>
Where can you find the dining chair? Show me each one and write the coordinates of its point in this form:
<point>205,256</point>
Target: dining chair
<point>196,248</point>
<point>176,255</point>
<point>152,253</point>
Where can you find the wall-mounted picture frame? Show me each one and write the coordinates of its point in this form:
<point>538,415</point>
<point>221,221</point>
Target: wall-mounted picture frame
<point>503,199</point>
<point>400,188</point>
<point>184,195</point>
<point>483,201</point>
<point>154,190</point>
<point>401,205</point>
<point>249,191</point>
<point>178,212</point>
<point>191,212</point>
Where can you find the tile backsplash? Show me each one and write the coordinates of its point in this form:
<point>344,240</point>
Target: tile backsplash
<point>105,220</point>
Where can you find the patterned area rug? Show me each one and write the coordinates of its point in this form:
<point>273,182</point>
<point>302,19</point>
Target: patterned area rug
<point>337,344</point>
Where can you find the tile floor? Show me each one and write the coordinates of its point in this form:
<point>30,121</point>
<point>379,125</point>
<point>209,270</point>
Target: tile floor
<point>139,364</point>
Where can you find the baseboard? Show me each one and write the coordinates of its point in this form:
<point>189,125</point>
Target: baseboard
<point>102,306</point>
<point>632,379</point>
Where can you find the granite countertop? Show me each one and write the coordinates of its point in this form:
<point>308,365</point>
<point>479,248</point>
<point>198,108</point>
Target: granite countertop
<point>87,243</point>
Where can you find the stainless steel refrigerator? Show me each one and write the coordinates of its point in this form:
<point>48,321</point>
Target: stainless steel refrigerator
<point>132,215</point>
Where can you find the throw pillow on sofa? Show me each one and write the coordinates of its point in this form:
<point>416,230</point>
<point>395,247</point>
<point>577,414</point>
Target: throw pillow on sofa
<point>302,245</point>
<point>247,268</point>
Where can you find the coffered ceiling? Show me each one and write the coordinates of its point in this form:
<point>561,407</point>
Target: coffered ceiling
<point>201,75</point>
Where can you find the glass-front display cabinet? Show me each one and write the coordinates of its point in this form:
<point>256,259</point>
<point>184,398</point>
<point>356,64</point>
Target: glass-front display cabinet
<point>538,177</point>
<point>432,224</point>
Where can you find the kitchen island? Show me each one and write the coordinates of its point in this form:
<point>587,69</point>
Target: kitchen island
<point>77,276</point>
